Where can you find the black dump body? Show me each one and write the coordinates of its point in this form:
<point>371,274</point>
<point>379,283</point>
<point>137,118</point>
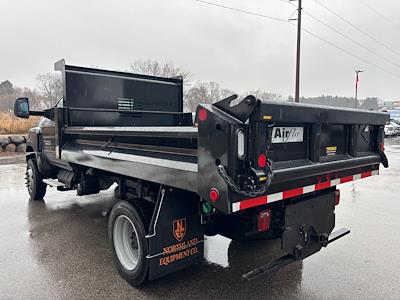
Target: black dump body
<point>134,125</point>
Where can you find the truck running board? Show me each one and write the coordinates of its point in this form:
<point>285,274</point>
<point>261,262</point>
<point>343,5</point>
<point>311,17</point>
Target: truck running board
<point>287,259</point>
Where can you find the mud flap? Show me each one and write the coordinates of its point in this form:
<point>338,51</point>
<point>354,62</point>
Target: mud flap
<point>176,237</point>
<point>308,225</point>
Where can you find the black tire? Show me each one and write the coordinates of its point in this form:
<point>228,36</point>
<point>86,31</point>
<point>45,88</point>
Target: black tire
<point>123,211</point>
<point>34,181</point>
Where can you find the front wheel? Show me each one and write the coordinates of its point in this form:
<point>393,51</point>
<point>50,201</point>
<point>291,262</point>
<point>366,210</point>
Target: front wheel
<point>34,181</point>
<point>128,243</point>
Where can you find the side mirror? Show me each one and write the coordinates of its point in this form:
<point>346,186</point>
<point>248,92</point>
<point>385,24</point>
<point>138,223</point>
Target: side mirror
<point>21,108</point>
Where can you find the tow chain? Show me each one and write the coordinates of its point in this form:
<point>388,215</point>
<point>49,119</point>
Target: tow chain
<point>252,191</point>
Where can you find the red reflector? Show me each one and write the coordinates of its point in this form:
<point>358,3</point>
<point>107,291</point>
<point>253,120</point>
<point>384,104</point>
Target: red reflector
<point>382,146</point>
<point>337,197</point>
<point>214,194</point>
<point>262,160</point>
<point>202,114</point>
<point>264,220</point>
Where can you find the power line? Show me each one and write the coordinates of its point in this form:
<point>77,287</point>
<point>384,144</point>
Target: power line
<point>357,28</point>
<point>346,36</point>
<point>303,29</point>
<point>242,11</point>
<point>351,54</point>
<point>387,19</point>
<point>350,39</point>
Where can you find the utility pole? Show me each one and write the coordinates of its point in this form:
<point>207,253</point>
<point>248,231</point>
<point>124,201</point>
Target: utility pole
<point>297,92</point>
<point>357,79</point>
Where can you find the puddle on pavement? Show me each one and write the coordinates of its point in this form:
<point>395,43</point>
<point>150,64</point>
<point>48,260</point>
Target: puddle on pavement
<point>65,240</point>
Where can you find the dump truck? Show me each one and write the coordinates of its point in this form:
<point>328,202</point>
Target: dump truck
<point>247,170</point>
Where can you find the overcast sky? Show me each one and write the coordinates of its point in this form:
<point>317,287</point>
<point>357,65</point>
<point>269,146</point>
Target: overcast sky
<point>239,51</point>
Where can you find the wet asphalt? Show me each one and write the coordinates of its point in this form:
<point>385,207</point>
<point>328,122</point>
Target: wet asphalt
<point>58,249</point>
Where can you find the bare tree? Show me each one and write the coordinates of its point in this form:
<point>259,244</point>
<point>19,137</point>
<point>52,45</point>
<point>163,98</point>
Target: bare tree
<point>34,96</point>
<point>164,69</point>
<point>205,92</point>
<point>8,97</point>
<point>51,89</point>
<point>263,95</point>
<point>198,92</point>
<point>160,68</point>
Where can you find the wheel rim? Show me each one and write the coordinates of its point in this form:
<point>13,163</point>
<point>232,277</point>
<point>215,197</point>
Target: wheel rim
<point>126,242</point>
<point>29,179</point>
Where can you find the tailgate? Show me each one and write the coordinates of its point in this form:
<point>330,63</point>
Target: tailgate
<point>306,140</point>
<point>290,149</point>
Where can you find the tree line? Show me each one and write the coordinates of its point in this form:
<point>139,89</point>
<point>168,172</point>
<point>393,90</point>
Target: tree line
<point>49,89</point>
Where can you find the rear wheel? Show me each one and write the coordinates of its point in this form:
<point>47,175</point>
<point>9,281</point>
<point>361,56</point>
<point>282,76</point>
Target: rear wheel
<point>34,181</point>
<point>127,233</point>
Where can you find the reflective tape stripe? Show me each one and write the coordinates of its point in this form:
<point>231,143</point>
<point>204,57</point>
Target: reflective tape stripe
<point>235,206</point>
<point>253,202</point>
<point>323,185</point>
<point>308,189</point>
<point>365,174</point>
<point>335,182</point>
<point>346,179</point>
<point>275,197</point>
<point>293,193</point>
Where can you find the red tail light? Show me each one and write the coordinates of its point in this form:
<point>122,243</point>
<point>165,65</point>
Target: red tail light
<point>202,114</point>
<point>264,220</point>
<point>214,195</point>
<point>262,160</point>
<point>382,146</point>
<point>337,197</point>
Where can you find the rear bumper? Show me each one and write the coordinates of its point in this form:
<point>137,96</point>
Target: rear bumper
<point>287,194</point>
<point>313,169</point>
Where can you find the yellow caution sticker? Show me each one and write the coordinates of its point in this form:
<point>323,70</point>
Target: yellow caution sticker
<point>331,150</point>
